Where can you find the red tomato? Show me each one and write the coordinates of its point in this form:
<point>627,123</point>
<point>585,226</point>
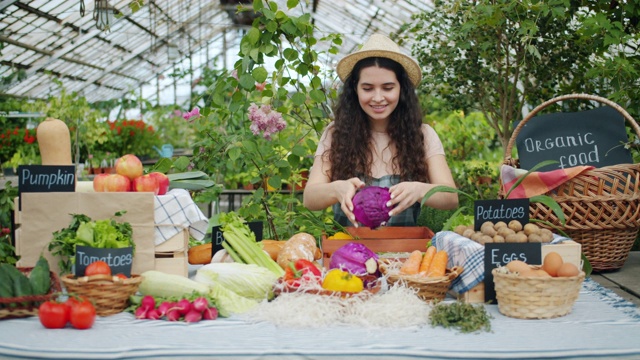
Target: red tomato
<point>122,276</point>
<point>97,267</point>
<point>53,314</point>
<point>83,314</point>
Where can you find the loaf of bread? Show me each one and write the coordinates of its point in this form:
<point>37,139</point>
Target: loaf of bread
<point>200,254</point>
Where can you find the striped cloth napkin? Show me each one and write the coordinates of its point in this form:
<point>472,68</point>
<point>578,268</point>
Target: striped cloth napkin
<point>178,208</point>
<point>463,252</point>
<point>538,182</point>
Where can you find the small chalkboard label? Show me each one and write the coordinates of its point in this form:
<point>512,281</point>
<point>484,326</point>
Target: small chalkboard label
<point>500,254</point>
<point>46,178</point>
<point>500,210</point>
<point>119,260</point>
<point>217,238</point>
<point>592,137</point>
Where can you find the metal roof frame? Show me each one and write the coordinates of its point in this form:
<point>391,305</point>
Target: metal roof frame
<point>44,39</point>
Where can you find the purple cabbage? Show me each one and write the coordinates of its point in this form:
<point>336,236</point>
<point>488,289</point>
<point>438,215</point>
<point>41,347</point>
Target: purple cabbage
<point>355,258</point>
<point>370,206</point>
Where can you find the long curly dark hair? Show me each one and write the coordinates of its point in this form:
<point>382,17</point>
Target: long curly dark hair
<point>350,153</point>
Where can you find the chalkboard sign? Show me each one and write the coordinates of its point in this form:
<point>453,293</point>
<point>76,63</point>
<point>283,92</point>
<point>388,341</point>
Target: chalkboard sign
<point>500,254</point>
<point>500,210</point>
<point>593,137</point>
<point>217,238</point>
<point>46,178</point>
<point>119,260</point>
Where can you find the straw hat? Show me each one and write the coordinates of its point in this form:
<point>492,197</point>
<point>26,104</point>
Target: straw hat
<point>380,46</point>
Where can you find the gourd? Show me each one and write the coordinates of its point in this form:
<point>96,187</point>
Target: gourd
<point>159,284</point>
<point>54,142</point>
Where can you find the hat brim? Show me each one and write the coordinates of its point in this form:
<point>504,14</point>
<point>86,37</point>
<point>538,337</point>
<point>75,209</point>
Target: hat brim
<point>346,64</point>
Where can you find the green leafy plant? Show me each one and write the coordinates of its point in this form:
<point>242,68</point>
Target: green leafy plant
<point>264,120</point>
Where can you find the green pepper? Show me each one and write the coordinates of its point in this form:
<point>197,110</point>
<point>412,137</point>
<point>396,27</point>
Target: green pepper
<point>339,280</point>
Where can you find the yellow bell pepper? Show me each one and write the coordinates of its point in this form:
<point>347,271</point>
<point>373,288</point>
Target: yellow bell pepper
<point>339,280</point>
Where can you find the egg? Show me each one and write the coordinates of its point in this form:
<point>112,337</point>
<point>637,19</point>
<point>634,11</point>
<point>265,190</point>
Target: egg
<point>517,266</point>
<point>551,263</point>
<point>568,270</point>
<point>539,273</point>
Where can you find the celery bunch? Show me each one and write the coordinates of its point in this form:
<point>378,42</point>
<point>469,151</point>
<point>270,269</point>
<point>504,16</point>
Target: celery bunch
<point>240,243</point>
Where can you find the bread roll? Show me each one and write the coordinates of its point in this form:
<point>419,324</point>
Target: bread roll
<point>200,254</point>
<point>299,246</point>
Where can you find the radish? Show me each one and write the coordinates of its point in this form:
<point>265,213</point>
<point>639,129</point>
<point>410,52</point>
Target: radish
<point>164,307</point>
<point>183,306</point>
<point>148,302</point>
<point>210,313</point>
<point>200,304</point>
<point>192,316</point>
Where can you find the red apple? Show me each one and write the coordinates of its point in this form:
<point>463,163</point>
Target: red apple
<point>130,166</point>
<point>146,183</point>
<point>163,181</point>
<point>112,183</point>
<point>99,182</point>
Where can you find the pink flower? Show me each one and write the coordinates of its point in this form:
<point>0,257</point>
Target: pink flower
<point>195,113</point>
<point>234,74</point>
<point>260,86</point>
<point>265,120</point>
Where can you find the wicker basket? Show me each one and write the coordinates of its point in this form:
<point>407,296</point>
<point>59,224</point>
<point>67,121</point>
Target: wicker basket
<point>536,297</point>
<point>25,306</point>
<point>601,206</point>
<point>428,288</point>
<point>110,294</point>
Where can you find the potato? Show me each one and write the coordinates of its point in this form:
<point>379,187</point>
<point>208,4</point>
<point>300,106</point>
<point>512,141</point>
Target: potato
<point>534,238</point>
<point>460,229</point>
<point>531,229</point>
<point>477,237</point>
<point>498,239</point>
<point>486,223</point>
<point>516,238</point>
<point>488,229</point>
<point>546,235</point>
<point>486,239</point>
<point>505,231</point>
<point>468,233</point>
<point>500,224</point>
<point>515,225</point>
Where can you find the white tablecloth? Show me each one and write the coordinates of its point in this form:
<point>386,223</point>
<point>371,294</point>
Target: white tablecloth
<point>601,325</point>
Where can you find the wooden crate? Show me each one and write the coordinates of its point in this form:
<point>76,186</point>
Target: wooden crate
<point>171,256</point>
<point>473,296</point>
<point>394,239</point>
<point>569,250</point>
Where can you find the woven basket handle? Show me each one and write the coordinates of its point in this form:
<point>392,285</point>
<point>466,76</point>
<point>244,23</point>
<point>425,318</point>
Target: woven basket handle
<point>455,272</point>
<point>507,152</point>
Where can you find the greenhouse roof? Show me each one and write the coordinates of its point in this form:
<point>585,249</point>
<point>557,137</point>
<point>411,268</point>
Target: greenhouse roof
<point>70,41</point>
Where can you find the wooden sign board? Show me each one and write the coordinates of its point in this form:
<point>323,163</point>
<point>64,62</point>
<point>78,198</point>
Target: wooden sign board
<point>500,254</point>
<point>217,237</point>
<point>119,260</point>
<point>500,210</point>
<point>593,137</point>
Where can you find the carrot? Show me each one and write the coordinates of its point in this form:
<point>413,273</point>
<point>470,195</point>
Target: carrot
<point>426,260</point>
<point>412,264</point>
<point>438,264</point>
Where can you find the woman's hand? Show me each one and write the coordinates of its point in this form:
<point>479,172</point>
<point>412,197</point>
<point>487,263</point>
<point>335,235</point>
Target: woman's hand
<point>346,190</point>
<point>404,195</point>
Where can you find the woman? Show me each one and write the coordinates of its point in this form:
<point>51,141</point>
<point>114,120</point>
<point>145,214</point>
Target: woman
<point>378,138</point>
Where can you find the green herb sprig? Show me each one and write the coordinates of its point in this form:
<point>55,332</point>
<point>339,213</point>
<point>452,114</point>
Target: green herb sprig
<point>463,316</point>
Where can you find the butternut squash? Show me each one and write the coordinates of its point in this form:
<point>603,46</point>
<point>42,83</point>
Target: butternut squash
<point>54,141</point>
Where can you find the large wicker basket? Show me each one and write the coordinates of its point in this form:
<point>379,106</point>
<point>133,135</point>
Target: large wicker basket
<point>25,306</point>
<point>536,297</point>
<point>109,294</point>
<point>601,206</point>
<point>428,288</point>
